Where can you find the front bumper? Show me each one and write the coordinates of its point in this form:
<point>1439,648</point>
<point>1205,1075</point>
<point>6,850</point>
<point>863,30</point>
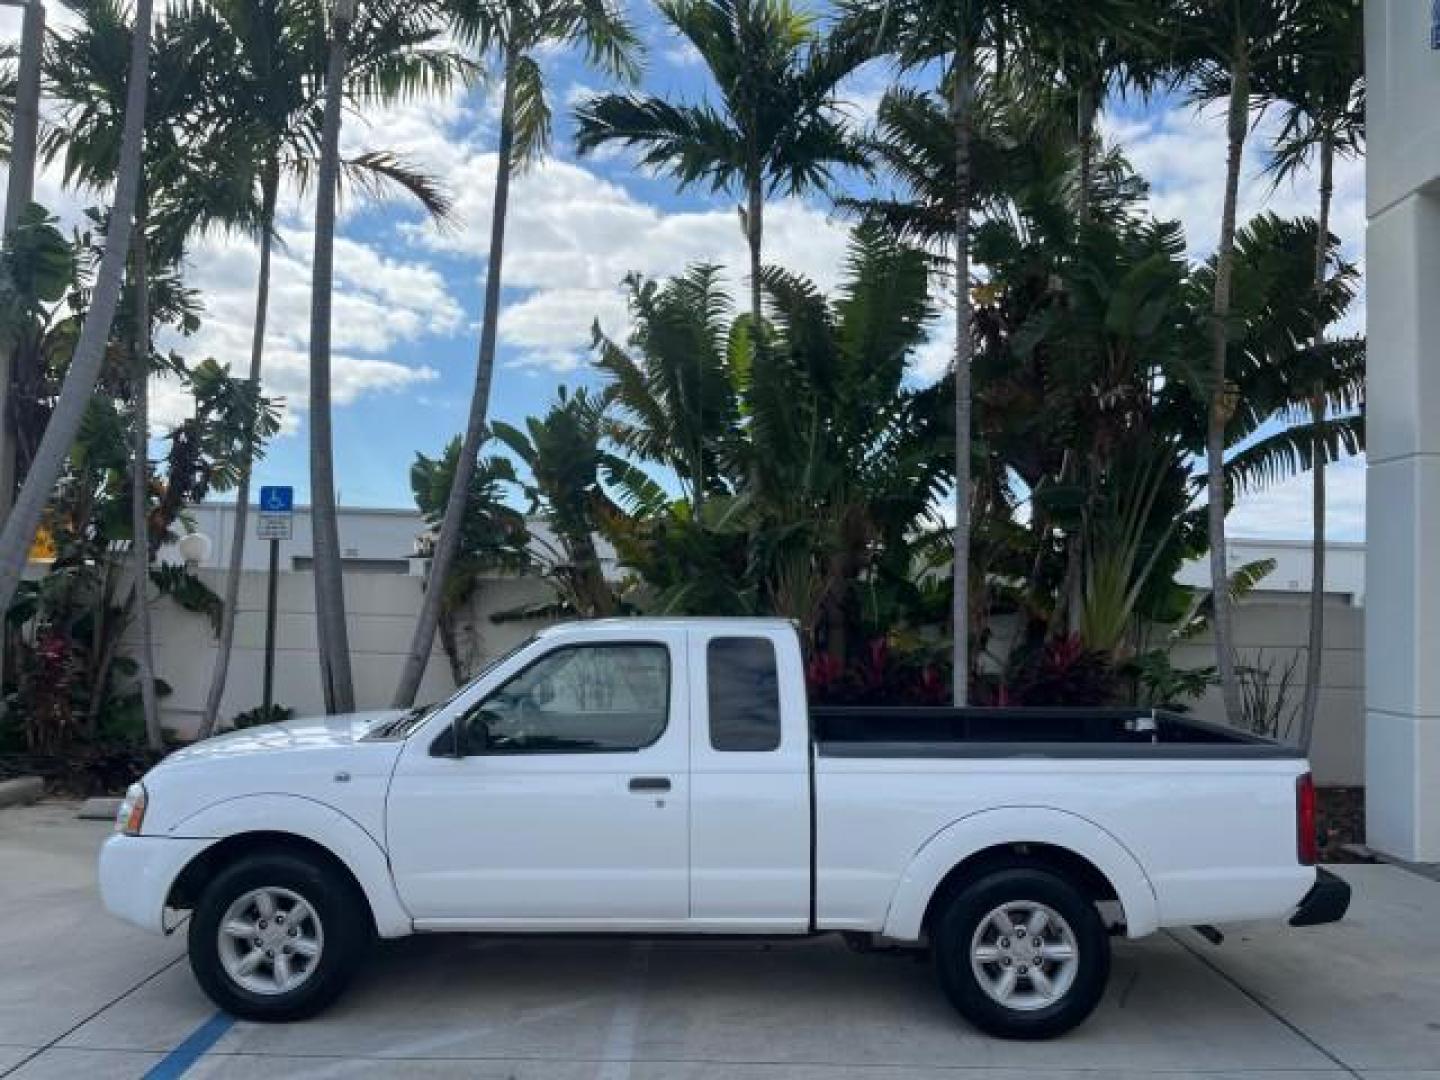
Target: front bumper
<point>136,873</point>
<point>1326,902</point>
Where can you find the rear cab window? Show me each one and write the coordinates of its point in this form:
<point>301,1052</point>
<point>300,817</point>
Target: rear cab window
<point>744,694</point>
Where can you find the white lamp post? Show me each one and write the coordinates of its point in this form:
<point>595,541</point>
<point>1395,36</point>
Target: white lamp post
<point>194,549</point>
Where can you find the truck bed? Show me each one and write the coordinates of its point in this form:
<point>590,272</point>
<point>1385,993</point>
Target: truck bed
<point>921,732</point>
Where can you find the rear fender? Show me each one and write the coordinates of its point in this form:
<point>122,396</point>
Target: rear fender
<point>321,824</point>
<point>1006,826</point>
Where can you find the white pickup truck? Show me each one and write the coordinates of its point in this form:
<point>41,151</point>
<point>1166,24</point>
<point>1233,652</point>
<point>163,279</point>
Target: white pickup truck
<point>667,776</point>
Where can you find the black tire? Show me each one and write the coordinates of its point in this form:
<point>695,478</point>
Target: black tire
<point>954,932</point>
<point>341,912</point>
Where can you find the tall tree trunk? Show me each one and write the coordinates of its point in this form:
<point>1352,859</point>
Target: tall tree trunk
<point>329,581</point>
<point>447,544</point>
<point>24,517</point>
<point>140,488</point>
<point>269,187</point>
<point>962,101</point>
<point>754,237</point>
<point>20,190</point>
<point>1219,410</point>
<point>1315,647</point>
<point>450,642</point>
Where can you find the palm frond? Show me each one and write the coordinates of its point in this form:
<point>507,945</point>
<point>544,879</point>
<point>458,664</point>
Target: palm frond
<point>379,174</point>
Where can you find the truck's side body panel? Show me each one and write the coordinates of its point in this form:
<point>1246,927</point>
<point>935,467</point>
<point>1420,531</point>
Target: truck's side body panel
<point>554,840</point>
<point>1215,839</point>
<point>548,838</point>
<point>749,810</point>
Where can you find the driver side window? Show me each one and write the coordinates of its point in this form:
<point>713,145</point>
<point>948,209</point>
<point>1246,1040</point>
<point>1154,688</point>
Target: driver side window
<point>578,699</point>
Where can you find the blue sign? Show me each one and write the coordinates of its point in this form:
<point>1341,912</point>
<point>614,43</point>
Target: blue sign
<point>277,500</point>
<point>1435,24</point>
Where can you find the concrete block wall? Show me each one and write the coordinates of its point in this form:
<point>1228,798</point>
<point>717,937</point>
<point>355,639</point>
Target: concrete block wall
<point>380,613</point>
<point>1270,628</point>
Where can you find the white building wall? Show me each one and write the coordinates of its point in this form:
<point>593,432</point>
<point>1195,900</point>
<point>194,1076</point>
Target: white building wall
<point>1344,567</point>
<point>1402,745</point>
<point>370,535</point>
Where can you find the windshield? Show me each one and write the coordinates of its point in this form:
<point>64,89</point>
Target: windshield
<point>397,727</point>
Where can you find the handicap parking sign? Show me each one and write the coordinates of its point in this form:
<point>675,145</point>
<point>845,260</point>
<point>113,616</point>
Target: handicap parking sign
<point>277,500</point>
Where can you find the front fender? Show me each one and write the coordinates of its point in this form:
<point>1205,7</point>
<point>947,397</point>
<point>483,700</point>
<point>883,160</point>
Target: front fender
<point>319,823</point>
<point>1003,826</point>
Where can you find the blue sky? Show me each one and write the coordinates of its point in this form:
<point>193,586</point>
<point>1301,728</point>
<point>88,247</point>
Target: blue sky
<point>408,298</point>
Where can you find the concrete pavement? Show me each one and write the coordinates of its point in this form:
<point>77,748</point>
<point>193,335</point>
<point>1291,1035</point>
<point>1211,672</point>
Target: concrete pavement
<point>83,995</point>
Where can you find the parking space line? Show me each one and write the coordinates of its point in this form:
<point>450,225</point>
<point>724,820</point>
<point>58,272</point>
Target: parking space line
<point>85,1020</point>
<point>178,1061</point>
<point>1256,999</point>
<point>619,1053</point>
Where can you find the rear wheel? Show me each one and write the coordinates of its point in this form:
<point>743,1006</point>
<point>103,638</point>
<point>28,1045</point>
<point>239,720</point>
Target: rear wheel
<point>1022,953</point>
<point>276,936</point>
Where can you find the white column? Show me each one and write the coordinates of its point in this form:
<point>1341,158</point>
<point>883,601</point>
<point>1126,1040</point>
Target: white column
<point>1402,604</point>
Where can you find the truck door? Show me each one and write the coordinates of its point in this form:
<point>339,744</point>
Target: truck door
<point>749,781</point>
<point>570,800</point>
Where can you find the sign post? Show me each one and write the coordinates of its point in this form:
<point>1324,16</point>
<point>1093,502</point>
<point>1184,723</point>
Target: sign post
<point>274,522</point>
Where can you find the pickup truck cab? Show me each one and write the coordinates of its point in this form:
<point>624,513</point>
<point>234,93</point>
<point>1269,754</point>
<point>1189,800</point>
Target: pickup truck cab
<point>668,776</point>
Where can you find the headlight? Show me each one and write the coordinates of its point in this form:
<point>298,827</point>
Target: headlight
<point>131,814</point>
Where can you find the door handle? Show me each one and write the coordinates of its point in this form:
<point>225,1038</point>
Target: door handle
<point>650,783</point>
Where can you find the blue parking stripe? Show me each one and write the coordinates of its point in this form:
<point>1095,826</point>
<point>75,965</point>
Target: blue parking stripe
<point>196,1045</point>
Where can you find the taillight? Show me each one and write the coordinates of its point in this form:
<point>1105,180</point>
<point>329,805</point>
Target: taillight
<point>1306,841</point>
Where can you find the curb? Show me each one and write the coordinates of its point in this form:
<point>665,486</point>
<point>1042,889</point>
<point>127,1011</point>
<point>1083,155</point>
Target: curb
<point>99,809</point>
<point>19,792</point>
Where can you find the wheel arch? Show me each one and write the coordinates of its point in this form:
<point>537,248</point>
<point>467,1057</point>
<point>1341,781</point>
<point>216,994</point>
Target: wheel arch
<point>185,890</point>
<point>253,823</point>
<point>1072,846</point>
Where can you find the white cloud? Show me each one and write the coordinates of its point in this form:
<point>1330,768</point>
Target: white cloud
<point>1181,152</point>
<point>679,50</point>
<point>381,305</point>
<point>572,236</point>
<point>1284,511</point>
<point>933,359</point>
<point>545,320</point>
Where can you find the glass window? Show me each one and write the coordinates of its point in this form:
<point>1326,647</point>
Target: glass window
<point>578,699</point>
<point>744,694</point>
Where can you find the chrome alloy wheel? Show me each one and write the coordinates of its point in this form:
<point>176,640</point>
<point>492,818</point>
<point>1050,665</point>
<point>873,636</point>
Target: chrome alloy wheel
<point>270,940</point>
<point>1024,955</point>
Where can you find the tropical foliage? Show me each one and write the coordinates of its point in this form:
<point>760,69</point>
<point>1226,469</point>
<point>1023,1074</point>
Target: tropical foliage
<point>995,513</point>
<point>71,678</point>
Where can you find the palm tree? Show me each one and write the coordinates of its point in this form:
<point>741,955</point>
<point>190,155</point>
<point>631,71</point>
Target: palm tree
<point>565,453</point>
<point>87,75</point>
<point>821,465</point>
<point>1222,43</point>
<point>265,110</point>
<point>514,31</point>
<point>334,640</point>
<point>678,402</point>
<point>495,536</point>
<point>776,126</point>
<point>955,35</point>
<point>24,517</point>
<point>1321,80</point>
<point>1082,53</point>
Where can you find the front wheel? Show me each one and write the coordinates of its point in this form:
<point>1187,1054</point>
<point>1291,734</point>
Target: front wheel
<point>276,936</point>
<point>1022,953</point>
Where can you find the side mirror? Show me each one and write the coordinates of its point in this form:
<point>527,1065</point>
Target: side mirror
<point>467,737</point>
